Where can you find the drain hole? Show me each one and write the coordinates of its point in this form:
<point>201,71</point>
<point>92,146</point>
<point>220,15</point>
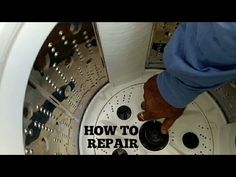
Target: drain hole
<point>119,152</point>
<point>151,137</point>
<point>124,112</point>
<point>190,140</point>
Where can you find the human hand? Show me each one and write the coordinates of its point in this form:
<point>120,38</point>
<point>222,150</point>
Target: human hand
<point>155,106</point>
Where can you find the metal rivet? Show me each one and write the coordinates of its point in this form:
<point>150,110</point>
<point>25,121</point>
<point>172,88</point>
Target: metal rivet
<point>25,131</point>
<point>49,44</point>
<point>26,151</point>
<point>56,68</point>
<point>35,124</point>
<point>59,72</point>
<point>41,109</point>
<point>74,41</point>
<point>63,37</point>
<point>50,81</point>
<point>56,54</point>
<point>76,45</point>
<point>46,78</point>
<point>43,126</point>
<point>55,87</point>
<point>37,107</point>
<point>30,132</point>
<point>85,32</point>
<point>86,37</point>
<point>31,151</point>
<point>60,32</point>
<point>54,65</point>
<point>66,42</point>
<point>53,49</point>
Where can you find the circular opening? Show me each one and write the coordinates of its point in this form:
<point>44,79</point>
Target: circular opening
<point>119,152</point>
<point>124,112</point>
<point>190,140</point>
<point>151,137</point>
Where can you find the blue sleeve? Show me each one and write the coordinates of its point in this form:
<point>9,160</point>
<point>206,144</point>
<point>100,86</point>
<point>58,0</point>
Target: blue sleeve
<point>199,56</point>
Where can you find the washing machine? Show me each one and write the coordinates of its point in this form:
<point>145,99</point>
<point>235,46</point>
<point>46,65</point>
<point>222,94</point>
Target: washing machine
<point>75,88</point>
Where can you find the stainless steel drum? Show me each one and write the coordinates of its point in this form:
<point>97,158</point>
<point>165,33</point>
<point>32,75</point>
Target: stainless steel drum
<point>68,89</point>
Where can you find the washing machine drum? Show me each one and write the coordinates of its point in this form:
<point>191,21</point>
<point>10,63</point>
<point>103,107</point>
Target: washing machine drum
<point>70,107</point>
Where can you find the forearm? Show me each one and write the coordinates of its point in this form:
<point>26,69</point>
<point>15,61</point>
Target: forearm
<point>199,57</point>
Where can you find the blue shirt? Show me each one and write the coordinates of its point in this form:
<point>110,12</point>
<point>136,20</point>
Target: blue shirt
<point>199,56</point>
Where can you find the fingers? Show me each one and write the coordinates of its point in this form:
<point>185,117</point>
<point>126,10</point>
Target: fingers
<point>145,115</point>
<point>142,116</point>
<point>167,123</point>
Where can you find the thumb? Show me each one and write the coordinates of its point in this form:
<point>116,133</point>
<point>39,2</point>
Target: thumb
<point>168,122</point>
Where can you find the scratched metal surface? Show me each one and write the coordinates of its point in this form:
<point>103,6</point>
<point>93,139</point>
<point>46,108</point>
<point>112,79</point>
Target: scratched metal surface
<point>161,34</point>
<point>67,72</point>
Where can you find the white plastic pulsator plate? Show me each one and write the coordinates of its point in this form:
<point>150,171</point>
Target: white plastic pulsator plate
<point>197,120</point>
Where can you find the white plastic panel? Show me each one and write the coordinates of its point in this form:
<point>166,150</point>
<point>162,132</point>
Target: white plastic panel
<point>14,81</point>
<point>8,32</point>
<point>125,47</point>
<point>202,118</point>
